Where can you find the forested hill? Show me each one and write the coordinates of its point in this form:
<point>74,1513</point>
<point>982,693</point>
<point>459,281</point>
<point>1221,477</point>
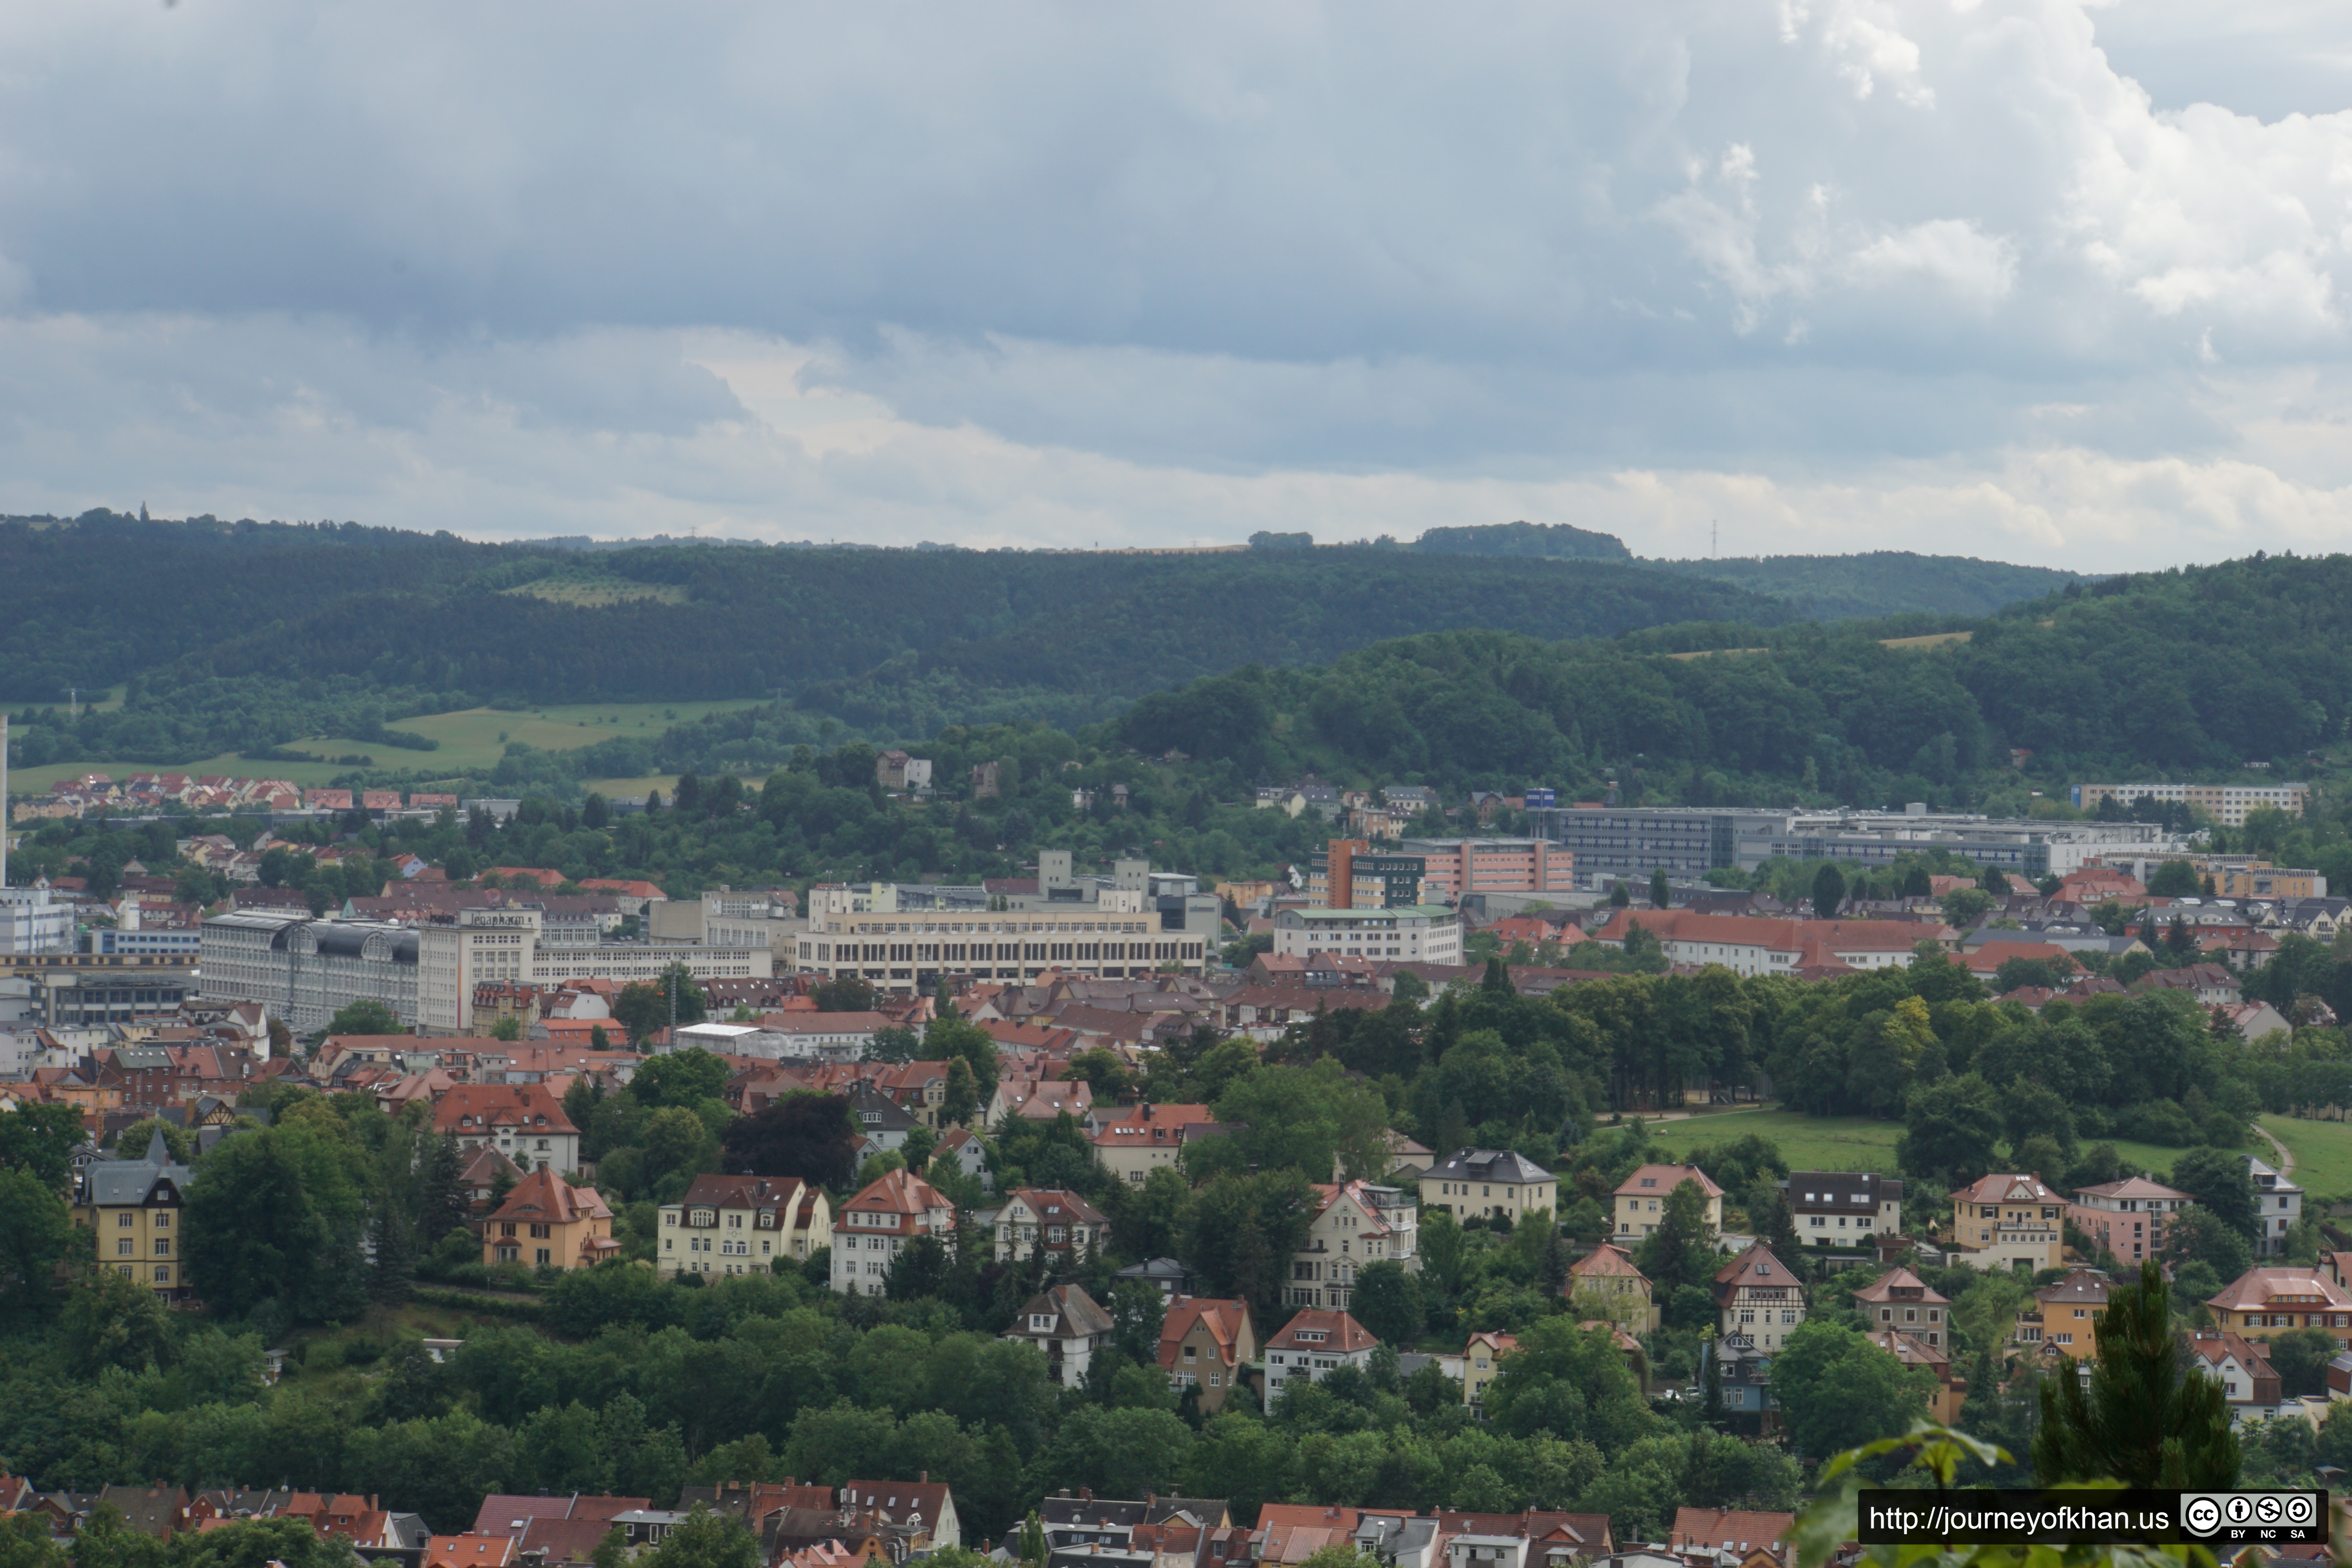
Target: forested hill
<point>1883,583</point>
<point>2199,669</point>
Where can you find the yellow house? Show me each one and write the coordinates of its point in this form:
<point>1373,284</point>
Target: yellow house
<point>2265,1301</point>
<point>2002,1220</point>
<point>742,1225</point>
<point>1640,1199</point>
<point>134,1207</point>
<point>1605,1283</point>
<point>1479,1358</point>
<point>548,1223</point>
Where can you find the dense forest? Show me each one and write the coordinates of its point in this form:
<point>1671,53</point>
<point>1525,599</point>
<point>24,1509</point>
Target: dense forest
<point>244,635</point>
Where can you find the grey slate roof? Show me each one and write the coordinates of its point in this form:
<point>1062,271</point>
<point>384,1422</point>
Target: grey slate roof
<point>118,1182</point>
<point>1489,1165</point>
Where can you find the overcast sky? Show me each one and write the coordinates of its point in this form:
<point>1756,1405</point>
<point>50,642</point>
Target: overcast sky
<point>2048,282</point>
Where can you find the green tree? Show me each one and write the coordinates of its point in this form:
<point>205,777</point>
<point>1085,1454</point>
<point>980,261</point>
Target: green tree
<point>1951,1128</point>
<point>366,1016</point>
<point>705,1540</point>
<point>1837,1390</point>
<point>1682,1250</point>
<point>960,1100</point>
<point>1829,891</point>
<point>41,1139</point>
<point>1387,1302</point>
<point>1661,895</point>
<point>25,1543</point>
<point>508,1027</point>
<point>1306,1119</point>
<point>2149,1417</point>
<point>2200,1236</point>
<point>110,1320</point>
<point>35,1236</point>
<point>2174,879</point>
<point>134,1142</point>
<point>275,1215</point>
<point>2217,1179</point>
<point>2300,1357</point>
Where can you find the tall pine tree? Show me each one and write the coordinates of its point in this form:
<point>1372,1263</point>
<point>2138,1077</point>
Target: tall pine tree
<point>2149,1417</point>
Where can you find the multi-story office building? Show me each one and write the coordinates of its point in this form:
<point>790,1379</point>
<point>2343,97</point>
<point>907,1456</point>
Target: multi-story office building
<point>1454,868</point>
<point>305,971</point>
<point>1416,934</point>
<point>1689,841</point>
<point>32,921</point>
<point>2225,804</point>
<point>1349,874</point>
<point>61,989</point>
<point>903,937</point>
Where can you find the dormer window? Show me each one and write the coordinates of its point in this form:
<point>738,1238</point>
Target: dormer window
<point>1040,1323</point>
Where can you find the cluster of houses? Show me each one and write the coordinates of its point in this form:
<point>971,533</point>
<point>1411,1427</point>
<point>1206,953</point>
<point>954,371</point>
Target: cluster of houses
<point>98,794</point>
<point>886,1523</point>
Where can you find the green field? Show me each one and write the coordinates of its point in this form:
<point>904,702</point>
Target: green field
<point>1860,1143</point>
<point>2322,1150</point>
<point>470,743</point>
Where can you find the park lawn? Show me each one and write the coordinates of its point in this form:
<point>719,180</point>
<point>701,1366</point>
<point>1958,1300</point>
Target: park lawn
<point>2322,1150</point>
<point>1807,1143</point>
<point>1862,1143</point>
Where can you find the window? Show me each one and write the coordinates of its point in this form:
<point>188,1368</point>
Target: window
<point>545,1257</point>
<point>163,1247</point>
<point>163,1220</point>
<point>123,1219</point>
<point>122,1247</point>
<point>162,1274</point>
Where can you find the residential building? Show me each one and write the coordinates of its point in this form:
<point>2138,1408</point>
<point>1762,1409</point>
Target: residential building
<point>1900,1301</point>
<point>1204,1343</point>
<point>1911,1349</point>
<point>2127,1218</point>
<point>1749,945</point>
<point>2278,1207</point>
<point>1707,1532</point>
<point>1311,1345</point>
<point>1603,1283</point>
<point>134,1210</point>
<point>2063,1319</point>
<point>922,1502</point>
<point>897,770</point>
<point>1456,868</point>
<point>548,1223</point>
<point>1064,1223</point>
<point>890,1213</point>
<point>1068,1326</point>
<point>2225,804</point>
<point>1488,1184</point>
<point>742,1225</point>
<point>1418,934</point>
<point>471,1552</point>
<point>2250,1386</point>
<point>2001,1220</point>
<point>1639,1200</point>
<point>521,1120</point>
<point>1842,1208</point>
<point>1481,1355</point>
<point>1134,1141</point>
<point>1355,1223</point>
<point>2265,1301</point>
<point>1168,1276</point>
<point>1758,1300</point>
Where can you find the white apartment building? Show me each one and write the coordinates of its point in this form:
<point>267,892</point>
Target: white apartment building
<point>459,953</point>
<point>1416,934</point>
<point>2278,1207</point>
<point>1115,937</point>
<point>2225,804</point>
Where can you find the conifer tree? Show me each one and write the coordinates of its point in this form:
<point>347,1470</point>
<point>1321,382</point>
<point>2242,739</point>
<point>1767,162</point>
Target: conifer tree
<point>2150,1418</point>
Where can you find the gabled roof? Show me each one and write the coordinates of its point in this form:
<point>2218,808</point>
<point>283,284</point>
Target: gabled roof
<point>1056,1205</point>
<point>1755,1266</point>
<point>1659,1180</point>
<point>1226,1323</point>
<point>1901,1285</point>
<point>1342,1334</point>
<point>899,1192</point>
<point>547,1198</point>
<point>1738,1530</point>
<point>2002,1188</point>
<point>1605,1261</point>
<point>1074,1313</point>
